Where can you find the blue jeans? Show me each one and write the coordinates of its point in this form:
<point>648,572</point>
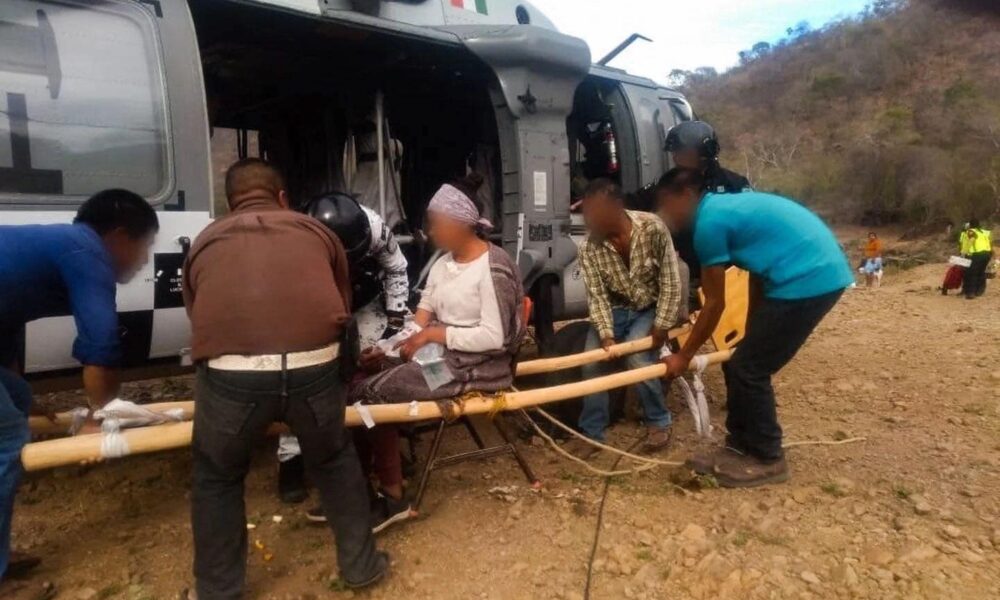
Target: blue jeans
<point>15,400</point>
<point>628,325</point>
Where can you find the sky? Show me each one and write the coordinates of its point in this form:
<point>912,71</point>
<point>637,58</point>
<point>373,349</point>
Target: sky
<point>686,33</point>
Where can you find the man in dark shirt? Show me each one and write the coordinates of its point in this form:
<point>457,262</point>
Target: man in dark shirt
<point>268,294</point>
<point>695,145</point>
<point>51,270</point>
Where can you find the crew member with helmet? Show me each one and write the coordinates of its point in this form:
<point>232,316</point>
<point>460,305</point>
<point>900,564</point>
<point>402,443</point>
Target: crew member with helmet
<point>695,145</point>
<point>378,271</point>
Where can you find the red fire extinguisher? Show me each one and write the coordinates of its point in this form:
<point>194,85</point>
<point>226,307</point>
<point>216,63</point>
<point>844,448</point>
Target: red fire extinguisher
<point>612,146</point>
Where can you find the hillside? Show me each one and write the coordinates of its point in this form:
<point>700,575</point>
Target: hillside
<point>890,116</point>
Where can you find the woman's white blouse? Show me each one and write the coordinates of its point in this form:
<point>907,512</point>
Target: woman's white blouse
<point>463,298</point>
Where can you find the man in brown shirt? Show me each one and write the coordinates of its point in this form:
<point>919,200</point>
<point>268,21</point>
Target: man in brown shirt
<point>268,295</point>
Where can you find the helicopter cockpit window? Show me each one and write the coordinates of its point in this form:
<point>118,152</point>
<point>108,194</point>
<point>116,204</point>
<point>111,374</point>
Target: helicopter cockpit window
<point>523,17</point>
<point>82,102</point>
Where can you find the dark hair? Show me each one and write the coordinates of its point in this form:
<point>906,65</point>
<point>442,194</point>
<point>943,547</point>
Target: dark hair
<point>678,179</point>
<point>604,187</point>
<point>973,223</point>
<point>469,185</point>
<point>253,174</point>
<point>118,209</point>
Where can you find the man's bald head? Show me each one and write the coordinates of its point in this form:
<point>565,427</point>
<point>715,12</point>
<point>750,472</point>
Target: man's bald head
<point>254,177</point>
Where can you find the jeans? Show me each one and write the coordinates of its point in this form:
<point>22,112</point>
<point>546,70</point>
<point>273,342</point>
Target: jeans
<point>974,282</point>
<point>15,400</point>
<point>628,325</point>
<point>234,410</point>
<point>775,332</point>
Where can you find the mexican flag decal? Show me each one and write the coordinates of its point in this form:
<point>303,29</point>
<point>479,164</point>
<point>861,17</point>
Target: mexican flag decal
<point>477,5</point>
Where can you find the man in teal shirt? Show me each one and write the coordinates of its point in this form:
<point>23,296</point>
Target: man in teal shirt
<point>797,274</point>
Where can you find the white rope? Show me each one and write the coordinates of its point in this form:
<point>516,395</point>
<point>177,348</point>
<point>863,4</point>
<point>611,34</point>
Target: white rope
<point>365,414</point>
<point>696,400</point>
<point>121,414</point>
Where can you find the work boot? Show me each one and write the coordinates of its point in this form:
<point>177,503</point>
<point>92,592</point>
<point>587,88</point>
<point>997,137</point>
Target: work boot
<point>19,565</point>
<point>703,463</point>
<point>581,448</point>
<point>292,481</point>
<point>735,470</point>
<point>657,439</point>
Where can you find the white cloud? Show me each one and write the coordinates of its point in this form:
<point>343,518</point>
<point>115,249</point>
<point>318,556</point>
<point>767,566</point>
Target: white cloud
<point>687,34</point>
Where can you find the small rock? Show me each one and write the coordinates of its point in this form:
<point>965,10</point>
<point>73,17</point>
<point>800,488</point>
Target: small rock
<point>846,574</point>
<point>918,553</point>
<point>879,556</point>
<point>809,577</point>
<point>922,508</point>
<point>952,532</point>
<point>883,575</point>
<point>801,495</point>
<point>693,532</point>
<point>86,594</point>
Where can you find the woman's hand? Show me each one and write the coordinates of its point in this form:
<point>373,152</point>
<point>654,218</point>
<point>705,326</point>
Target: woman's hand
<point>408,347</point>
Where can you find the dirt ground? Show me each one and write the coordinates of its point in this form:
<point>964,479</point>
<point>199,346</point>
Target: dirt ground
<point>913,512</point>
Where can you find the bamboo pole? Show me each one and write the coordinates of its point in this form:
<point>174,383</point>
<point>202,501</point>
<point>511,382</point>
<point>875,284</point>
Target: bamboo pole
<point>559,363</point>
<point>87,448</point>
<point>43,426</point>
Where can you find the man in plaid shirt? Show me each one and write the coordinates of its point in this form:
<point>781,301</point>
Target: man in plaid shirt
<point>633,291</point>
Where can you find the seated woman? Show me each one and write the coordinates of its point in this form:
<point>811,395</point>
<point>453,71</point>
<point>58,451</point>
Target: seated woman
<point>471,305</point>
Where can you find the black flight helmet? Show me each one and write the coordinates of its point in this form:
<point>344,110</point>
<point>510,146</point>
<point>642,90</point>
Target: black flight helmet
<point>344,216</point>
<point>694,135</point>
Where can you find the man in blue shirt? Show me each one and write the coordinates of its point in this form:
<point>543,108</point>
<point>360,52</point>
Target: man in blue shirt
<point>51,270</point>
<point>797,274</point>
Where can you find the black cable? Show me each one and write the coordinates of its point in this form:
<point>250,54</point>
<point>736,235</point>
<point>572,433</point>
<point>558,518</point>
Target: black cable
<point>600,520</point>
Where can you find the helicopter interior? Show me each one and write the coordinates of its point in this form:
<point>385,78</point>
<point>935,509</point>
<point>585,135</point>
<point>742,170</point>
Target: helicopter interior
<point>306,90</point>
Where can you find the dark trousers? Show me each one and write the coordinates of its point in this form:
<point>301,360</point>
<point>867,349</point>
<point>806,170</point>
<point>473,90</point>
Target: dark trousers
<point>775,332</point>
<point>234,410</point>
<point>974,282</point>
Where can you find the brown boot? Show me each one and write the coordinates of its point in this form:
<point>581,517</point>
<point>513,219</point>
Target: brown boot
<point>581,449</point>
<point>657,439</point>
<point>734,470</point>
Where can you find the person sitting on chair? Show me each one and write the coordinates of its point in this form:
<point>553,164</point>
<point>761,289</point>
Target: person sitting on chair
<point>470,309</point>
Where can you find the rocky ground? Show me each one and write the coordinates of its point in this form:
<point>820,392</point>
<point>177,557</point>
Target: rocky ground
<point>913,512</point>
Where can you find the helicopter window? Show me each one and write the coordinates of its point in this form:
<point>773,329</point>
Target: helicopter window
<point>523,17</point>
<point>83,106</point>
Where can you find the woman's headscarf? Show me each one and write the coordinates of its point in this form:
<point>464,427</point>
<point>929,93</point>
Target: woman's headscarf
<point>452,202</point>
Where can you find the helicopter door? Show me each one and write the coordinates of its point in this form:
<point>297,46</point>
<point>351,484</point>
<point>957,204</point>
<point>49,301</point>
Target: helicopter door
<point>84,106</point>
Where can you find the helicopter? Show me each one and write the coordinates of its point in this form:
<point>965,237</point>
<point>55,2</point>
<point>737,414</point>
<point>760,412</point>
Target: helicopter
<point>385,100</point>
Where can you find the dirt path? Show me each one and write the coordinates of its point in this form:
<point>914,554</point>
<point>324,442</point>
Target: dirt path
<point>914,512</point>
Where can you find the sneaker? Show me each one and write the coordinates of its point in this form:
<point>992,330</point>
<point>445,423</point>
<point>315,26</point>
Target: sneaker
<point>388,511</point>
<point>20,565</point>
<point>292,481</point>
<point>381,571</point>
<point>581,448</point>
<point>657,439</point>
<point>736,470</point>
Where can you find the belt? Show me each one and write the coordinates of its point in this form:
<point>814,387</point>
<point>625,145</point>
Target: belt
<point>273,362</point>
